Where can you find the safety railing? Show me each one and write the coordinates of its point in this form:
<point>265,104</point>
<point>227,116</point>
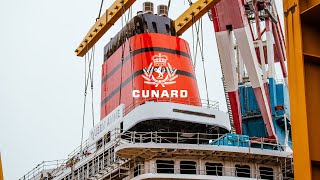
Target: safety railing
<point>187,101</point>
<point>202,138</point>
<point>261,172</point>
<point>74,157</point>
<point>36,172</point>
<point>87,149</point>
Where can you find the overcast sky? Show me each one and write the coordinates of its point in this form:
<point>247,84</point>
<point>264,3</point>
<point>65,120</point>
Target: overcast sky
<point>41,79</point>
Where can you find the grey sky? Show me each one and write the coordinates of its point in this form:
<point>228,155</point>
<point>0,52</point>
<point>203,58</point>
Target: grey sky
<point>41,92</point>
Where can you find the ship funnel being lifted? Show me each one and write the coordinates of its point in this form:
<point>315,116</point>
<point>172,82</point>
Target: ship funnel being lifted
<point>148,8</point>
<point>163,10</point>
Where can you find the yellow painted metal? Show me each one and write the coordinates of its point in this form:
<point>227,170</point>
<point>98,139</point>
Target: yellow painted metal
<point>192,14</point>
<point>303,44</point>
<point>182,23</point>
<point>106,21</point>
<point>306,5</point>
<point>1,171</point>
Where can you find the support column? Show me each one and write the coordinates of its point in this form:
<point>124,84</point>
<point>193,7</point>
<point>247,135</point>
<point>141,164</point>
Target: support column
<point>228,64</point>
<point>248,53</point>
<point>282,57</point>
<point>270,49</point>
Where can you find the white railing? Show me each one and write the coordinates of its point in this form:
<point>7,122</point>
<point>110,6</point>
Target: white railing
<point>187,101</point>
<point>117,138</point>
<point>201,138</point>
<point>36,172</point>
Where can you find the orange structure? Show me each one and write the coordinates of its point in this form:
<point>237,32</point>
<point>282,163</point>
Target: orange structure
<point>303,44</point>
<point>1,171</point>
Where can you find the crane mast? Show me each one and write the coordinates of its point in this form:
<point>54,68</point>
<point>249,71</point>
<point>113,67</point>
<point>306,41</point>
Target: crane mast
<point>239,24</point>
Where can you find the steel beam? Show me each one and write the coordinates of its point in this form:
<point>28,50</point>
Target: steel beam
<point>302,39</point>
<point>192,14</point>
<point>117,9</point>
<point>106,21</point>
<point>1,171</point>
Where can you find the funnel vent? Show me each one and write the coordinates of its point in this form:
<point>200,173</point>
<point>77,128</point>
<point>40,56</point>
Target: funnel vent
<point>163,10</point>
<point>148,7</point>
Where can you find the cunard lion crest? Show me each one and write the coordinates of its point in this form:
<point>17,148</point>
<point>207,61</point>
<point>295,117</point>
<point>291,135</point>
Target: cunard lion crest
<point>159,72</point>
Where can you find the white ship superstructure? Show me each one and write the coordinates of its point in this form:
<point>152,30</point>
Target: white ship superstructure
<point>128,151</point>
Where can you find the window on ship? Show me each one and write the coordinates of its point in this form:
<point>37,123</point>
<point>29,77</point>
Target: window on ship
<point>243,171</point>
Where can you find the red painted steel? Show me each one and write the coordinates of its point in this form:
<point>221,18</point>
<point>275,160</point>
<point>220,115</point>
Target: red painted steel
<point>224,14</point>
<point>276,54</point>
<point>228,12</point>
<point>129,72</point>
<point>230,15</point>
<point>236,110</point>
<point>280,49</point>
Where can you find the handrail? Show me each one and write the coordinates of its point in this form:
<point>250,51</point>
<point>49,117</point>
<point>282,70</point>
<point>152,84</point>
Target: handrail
<point>76,155</point>
<point>198,138</point>
<point>44,165</point>
<point>146,137</point>
<point>187,101</point>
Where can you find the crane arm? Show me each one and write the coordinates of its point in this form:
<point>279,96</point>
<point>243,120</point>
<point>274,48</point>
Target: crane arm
<point>106,21</point>
<point>192,14</point>
<point>116,10</point>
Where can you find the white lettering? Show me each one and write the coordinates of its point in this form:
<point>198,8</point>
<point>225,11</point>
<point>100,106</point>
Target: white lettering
<point>145,94</point>
<point>155,93</point>
<point>103,126</point>
<point>158,94</point>
<point>184,93</point>
<point>165,94</point>
<point>174,93</point>
<point>135,93</point>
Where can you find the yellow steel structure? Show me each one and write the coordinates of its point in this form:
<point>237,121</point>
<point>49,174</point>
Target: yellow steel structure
<point>1,171</point>
<point>106,21</point>
<point>302,20</point>
<point>118,8</point>
<point>192,14</point>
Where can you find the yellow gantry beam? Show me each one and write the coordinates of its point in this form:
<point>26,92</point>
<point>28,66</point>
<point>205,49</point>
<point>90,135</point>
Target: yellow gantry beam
<point>106,21</point>
<point>192,14</point>
<point>117,9</point>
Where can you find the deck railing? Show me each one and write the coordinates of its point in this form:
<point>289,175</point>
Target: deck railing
<point>187,101</point>
<point>36,172</point>
<point>87,149</point>
<point>201,138</point>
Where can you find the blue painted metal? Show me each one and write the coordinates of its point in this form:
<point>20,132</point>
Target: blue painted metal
<point>232,140</point>
<point>253,124</point>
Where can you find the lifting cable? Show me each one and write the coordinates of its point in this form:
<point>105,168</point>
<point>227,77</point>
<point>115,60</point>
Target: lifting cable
<point>124,19</point>
<point>100,10</point>
<point>199,43</point>
<point>169,3</point>
<point>88,76</point>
